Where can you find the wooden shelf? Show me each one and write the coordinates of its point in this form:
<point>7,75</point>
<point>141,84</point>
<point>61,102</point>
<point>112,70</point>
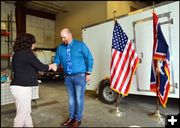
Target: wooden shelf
<point>5,56</point>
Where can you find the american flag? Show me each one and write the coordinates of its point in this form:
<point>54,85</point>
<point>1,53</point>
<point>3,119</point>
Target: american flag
<point>123,62</point>
<point>161,57</point>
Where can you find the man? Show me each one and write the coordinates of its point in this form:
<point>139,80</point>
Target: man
<point>77,62</point>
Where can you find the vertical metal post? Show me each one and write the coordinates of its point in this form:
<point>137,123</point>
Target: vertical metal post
<point>117,112</point>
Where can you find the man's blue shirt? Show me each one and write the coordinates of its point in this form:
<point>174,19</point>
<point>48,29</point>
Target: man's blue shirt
<point>81,57</point>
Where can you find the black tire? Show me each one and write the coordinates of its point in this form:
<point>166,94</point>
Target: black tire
<point>106,94</point>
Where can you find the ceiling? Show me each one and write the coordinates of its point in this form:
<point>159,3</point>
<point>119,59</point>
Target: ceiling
<point>49,6</point>
<point>149,3</point>
<point>58,6</point>
<point>46,6</point>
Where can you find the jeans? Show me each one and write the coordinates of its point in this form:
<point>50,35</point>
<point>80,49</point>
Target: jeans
<point>76,85</point>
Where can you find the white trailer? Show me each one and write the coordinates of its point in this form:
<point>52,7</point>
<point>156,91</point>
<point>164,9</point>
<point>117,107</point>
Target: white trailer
<point>138,26</point>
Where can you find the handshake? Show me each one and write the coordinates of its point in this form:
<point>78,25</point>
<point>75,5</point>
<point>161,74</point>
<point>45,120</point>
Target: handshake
<point>53,67</point>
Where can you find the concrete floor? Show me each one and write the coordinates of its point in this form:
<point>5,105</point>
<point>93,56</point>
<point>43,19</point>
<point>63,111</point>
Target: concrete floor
<point>52,109</point>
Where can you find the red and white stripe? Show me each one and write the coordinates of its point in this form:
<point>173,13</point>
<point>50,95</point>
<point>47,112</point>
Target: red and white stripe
<point>123,66</point>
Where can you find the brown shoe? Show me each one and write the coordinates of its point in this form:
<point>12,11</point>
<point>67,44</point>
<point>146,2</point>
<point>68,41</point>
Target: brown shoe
<point>76,124</point>
<point>68,122</point>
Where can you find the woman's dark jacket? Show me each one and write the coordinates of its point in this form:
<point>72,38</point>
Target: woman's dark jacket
<point>25,67</point>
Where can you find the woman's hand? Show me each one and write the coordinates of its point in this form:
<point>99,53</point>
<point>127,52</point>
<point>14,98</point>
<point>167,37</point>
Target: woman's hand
<point>53,67</point>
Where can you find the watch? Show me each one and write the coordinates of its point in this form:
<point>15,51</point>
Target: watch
<point>88,73</point>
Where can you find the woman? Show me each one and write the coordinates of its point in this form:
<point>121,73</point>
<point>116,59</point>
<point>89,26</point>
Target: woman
<point>25,66</point>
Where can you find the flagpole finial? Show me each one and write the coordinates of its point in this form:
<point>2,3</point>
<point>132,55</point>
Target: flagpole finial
<point>114,13</point>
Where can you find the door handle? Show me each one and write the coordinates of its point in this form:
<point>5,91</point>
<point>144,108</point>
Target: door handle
<point>140,57</point>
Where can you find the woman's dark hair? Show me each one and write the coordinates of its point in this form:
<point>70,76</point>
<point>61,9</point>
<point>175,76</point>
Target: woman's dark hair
<point>24,42</point>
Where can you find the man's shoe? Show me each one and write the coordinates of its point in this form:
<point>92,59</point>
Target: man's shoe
<point>76,124</point>
<point>68,122</point>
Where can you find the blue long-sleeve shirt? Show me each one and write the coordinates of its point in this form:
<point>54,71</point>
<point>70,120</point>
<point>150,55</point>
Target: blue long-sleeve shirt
<point>81,57</point>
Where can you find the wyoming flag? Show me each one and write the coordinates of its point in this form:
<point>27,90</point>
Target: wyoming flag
<point>161,59</point>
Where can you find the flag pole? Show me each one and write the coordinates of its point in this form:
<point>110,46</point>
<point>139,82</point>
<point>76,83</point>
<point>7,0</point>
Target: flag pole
<point>117,112</point>
<point>157,116</point>
<point>114,14</point>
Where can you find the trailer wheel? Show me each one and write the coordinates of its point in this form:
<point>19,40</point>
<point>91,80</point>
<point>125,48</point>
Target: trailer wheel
<point>106,94</point>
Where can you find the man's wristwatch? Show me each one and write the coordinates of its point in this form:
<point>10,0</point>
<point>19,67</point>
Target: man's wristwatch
<point>88,73</point>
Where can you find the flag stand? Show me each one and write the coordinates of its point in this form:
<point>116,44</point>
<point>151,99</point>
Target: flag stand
<point>157,116</point>
<point>117,112</point>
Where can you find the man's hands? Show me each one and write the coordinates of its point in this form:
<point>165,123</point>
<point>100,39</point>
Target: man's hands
<point>53,67</point>
<point>88,77</point>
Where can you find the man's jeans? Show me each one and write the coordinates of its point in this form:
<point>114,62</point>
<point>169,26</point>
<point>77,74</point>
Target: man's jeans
<point>76,85</point>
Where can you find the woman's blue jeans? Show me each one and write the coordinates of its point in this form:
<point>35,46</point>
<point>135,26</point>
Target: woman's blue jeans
<point>76,85</point>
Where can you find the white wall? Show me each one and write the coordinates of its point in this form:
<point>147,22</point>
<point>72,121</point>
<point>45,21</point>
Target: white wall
<point>43,30</point>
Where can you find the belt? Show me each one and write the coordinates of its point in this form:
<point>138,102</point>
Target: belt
<point>74,74</point>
